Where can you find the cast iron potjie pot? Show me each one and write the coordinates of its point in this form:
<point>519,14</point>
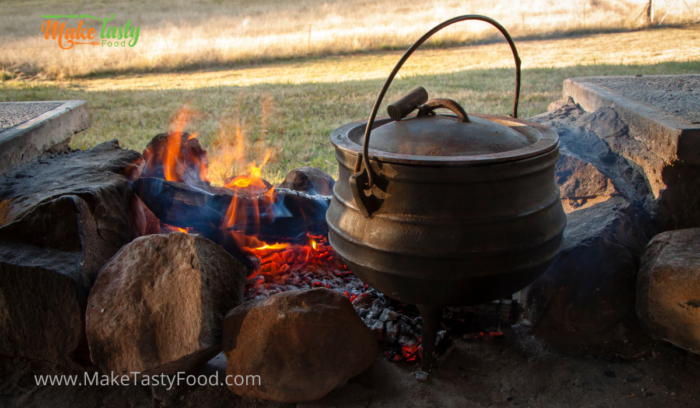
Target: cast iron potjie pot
<point>445,210</point>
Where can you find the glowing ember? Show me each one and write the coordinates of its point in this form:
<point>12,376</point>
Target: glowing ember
<point>493,335</point>
<point>412,352</point>
<point>177,229</point>
<point>278,259</point>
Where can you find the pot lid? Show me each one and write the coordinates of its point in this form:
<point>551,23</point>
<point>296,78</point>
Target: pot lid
<point>427,138</point>
<point>446,135</point>
<point>349,138</point>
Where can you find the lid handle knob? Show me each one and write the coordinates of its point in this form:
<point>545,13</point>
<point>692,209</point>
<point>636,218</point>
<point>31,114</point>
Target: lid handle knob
<point>408,103</point>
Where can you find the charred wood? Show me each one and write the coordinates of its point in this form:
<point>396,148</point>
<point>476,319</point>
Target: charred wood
<point>278,216</point>
<point>188,161</point>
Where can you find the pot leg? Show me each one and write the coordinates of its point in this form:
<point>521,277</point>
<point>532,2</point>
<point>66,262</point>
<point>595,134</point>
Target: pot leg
<point>430,316</point>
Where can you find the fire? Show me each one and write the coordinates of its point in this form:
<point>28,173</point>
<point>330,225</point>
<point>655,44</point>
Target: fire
<point>236,218</point>
<point>253,179</point>
<point>230,154</point>
<point>273,247</point>
<point>172,152</point>
<point>278,259</point>
<point>178,157</point>
<point>229,147</point>
<point>229,151</point>
<point>241,221</point>
<point>177,229</point>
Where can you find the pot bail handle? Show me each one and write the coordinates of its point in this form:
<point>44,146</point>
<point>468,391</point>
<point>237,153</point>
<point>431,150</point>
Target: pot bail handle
<point>364,157</point>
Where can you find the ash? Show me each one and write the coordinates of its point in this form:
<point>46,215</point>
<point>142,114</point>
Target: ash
<point>396,326</point>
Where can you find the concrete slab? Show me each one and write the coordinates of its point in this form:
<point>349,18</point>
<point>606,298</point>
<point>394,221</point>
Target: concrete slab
<point>29,129</point>
<point>662,111</point>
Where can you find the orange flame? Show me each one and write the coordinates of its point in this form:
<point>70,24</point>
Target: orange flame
<point>203,165</point>
<point>274,247</point>
<point>179,157</point>
<point>253,184</point>
<point>178,229</point>
<point>253,178</point>
<point>229,148</point>
<point>172,153</point>
<point>229,152</point>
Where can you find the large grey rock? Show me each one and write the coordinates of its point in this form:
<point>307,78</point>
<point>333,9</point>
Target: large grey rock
<point>158,305</point>
<point>576,130</point>
<point>309,180</point>
<point>302,344</point>
<point>100,176</point>
<point>590,286</point>
<point>61,218</point>
<point>48,261</point>
<point>636,158</point>
<point>581,184</point>
<point>668,288</point>
<point>607,124</point>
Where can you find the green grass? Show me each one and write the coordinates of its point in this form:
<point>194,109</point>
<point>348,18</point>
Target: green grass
<point>303,116</point>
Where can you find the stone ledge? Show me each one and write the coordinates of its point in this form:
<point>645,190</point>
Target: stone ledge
<point>667,135</point>
<point>31,138</point>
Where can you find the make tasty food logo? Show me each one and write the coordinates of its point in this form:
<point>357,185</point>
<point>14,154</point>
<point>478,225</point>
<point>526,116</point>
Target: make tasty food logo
<point>80,34</point>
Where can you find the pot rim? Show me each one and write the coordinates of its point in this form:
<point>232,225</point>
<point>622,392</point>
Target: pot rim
<point>547,140</point>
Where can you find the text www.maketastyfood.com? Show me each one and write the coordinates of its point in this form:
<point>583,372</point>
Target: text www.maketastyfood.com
<point>137,378</point>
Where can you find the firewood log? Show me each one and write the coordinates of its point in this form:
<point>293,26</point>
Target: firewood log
<point>284,215</point>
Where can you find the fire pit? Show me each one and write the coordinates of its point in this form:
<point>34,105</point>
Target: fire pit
<point>443,210</point>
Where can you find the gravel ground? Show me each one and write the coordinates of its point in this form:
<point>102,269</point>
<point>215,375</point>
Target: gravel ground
<point>12,114</point>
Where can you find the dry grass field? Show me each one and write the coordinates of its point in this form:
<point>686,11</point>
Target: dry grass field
<point>282,75</point>
<point>185,34</point>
